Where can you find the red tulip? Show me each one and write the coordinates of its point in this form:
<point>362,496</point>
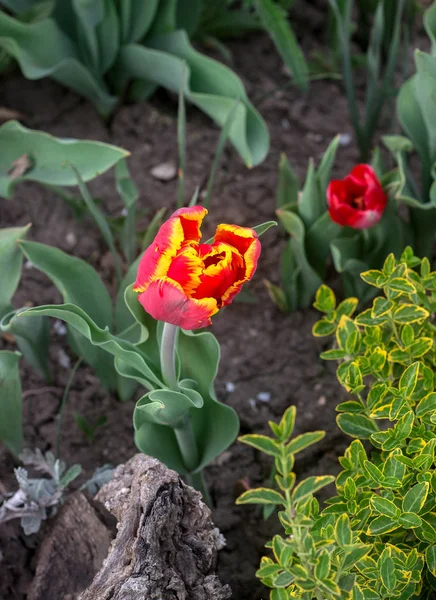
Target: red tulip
<point>357,201</point>
<point>184,282</point>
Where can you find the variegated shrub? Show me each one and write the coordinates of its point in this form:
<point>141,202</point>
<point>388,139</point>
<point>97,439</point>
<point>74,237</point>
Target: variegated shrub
<point>376,539</point>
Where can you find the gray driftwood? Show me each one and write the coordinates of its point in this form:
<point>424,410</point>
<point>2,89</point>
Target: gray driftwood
<point>165,546</point>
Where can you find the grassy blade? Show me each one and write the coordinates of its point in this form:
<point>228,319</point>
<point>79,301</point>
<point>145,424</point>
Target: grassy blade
<point>219,150</point>
<point>181,143</point>
<point>274,21</point>
<point>101,222</point>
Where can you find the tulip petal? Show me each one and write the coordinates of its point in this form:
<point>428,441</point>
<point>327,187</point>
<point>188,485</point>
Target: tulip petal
<point>243,239</point>
<point>223,265</point>
<point>182,226</point>
<point>165,300</point>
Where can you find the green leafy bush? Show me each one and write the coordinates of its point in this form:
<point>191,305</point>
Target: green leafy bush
<point>376,539</point>
<point>105,50</point>
<point>315,241</point>
<point>415,111</point>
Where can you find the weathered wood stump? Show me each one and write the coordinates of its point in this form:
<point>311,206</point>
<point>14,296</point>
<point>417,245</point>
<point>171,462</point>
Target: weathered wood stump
<point>165,547</point>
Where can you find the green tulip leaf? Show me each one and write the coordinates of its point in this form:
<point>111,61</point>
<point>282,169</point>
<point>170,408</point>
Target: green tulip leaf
<point>121,350</point>
<point>11,260</point>
<point>11,428</point>
<point>170,61</point>
<point>47,159</point>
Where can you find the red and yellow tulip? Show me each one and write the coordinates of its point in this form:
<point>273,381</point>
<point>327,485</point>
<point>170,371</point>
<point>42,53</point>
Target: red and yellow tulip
<point>184,282</point>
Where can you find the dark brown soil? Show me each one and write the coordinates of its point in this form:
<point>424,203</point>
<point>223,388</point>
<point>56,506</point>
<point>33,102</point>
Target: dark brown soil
<point>263,351</point>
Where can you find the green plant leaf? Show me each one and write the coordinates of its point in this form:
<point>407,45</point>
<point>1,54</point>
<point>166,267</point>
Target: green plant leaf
<point>426,405</point>
<point>343,533</point>
<point>410,520</point>
<point>163,62</point>
<point>289,185</point>
<point>304,440</point>
<point>430,559</point>
<point>385,507</point>
<point>11,428</point>
<point>49,158</point>
<point>415,498</point>
<point>262,443</point>
<point>11,260</point>
<point>358,426</point>
<point>275,23</point>
<point>129,361</point>
<point>382,525</point>
<point>410,313</point>
<point>261,496</point>
<point>90,295</point>
<point>310,485</point>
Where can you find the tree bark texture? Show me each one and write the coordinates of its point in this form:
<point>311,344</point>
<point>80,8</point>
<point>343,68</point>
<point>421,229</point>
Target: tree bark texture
<point>165,547</point>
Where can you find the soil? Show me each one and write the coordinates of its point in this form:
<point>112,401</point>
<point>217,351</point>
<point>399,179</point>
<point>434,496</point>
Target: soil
<point>269,360</point>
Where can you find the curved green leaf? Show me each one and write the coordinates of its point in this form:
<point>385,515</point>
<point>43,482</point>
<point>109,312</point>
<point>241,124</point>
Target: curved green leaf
<point>121,349</point>
<point>210,85</point>
<point>11,428</point>
<point>50,158</point>
<point>11,260</point>
<point>59,59</point>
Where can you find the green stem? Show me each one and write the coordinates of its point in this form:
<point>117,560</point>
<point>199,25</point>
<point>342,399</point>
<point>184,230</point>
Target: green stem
<point>63,404</point>
<point>184,432</point>
<point>196,480</point>
<point>168,355</point>
<point>186,440</point>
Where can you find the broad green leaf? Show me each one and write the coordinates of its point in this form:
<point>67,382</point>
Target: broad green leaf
<point>304,440</point>
<point>287,422</point>
<point>430,559</point>
<point>50,158</point>
<point>129,361</point>
<point>382,525</point>
<point>325,299</point>
<point>11,260</point>
<point>322,567</point>
<point>358,426</point>
<point>32,338</point>
<point>401,284</point>
<point>310,485</point>
<point>343,533</point>
<point>11,428</point>
<point>216,425</point>
<point>209,85</point>
<point>415,498</point>
<point>408,379</point>
<point>276,24</point>
<point>261,496</point>
<point>262,443</point>
<point>410,520</point>
<point>289,185</point>
<point>263,227</point>
<point>410,313</point>
<point>385,507</point>
<point>165,407</point>
<point>80,285</point>
<point>323,327</point>
<point>426,405</point>
<point>387,572</point>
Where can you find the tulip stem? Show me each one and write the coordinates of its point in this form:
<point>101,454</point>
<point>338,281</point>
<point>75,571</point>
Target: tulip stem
<point>168,355</point>
<point>184,432</point>
<point>186,440</point>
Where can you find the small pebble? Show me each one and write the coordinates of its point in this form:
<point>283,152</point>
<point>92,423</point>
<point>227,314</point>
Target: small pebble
<point>164,172</point>
<point>124,212</point>
<point>60,328</point>
<point>64,360</point>
<point>264,397</point>
<point>322,400</point>
<point>285,124</point>
<point>230,387</point>
<point>345,139</point>
<point>252,403</point>
<point>28,264</point>
<point>71,239</point>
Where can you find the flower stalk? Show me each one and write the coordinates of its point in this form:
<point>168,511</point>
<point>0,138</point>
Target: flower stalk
<point>184,432</point>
